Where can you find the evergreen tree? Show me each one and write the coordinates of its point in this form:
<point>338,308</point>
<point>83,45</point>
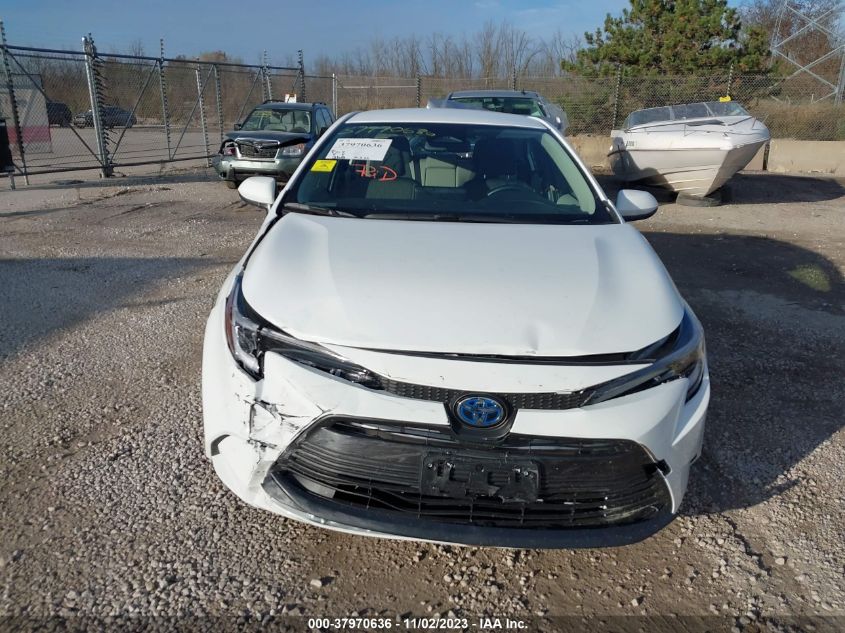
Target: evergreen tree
<point>673,36</point>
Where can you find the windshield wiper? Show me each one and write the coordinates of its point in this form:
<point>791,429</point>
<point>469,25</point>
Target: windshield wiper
<point>444,217</point>
<point>298,207</point>
<point>481,218</point>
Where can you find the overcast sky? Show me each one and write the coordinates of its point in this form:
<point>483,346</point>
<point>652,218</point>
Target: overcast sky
<point>244,28</point>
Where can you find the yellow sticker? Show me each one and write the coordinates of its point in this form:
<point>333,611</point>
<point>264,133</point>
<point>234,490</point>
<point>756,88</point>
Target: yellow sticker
<point>323,165</point>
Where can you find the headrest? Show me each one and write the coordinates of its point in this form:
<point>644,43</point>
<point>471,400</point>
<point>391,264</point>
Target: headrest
<point>495,157</point>
<point>446,144</point>
<point>398,154</point>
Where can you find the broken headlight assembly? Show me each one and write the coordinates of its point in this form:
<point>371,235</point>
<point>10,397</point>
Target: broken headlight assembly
<point>228,149</point>
<point>293,150</point>
<point>680,355</point>
<point>249,337</point>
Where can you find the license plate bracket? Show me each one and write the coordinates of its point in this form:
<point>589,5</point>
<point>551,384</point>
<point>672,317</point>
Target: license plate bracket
<point>460,477</point>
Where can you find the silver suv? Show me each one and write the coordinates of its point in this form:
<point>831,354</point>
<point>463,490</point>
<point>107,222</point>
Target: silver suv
<point>271,141</point>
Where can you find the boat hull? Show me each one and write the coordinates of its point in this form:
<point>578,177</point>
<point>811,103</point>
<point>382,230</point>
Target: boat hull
<point>690,157</point>
<point>693,171</point>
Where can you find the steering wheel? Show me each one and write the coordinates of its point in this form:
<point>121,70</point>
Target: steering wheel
<point>506,187</point>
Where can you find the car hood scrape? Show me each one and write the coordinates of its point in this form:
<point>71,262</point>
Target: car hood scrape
<point>503,289</point>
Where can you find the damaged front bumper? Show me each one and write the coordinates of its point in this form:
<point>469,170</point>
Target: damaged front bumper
<point>235,168</point>
<point>253,428</point>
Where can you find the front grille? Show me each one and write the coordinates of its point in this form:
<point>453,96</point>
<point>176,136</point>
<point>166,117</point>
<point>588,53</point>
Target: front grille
<point>249,151</point>
<point>385,468</point>
<point>545,400</point>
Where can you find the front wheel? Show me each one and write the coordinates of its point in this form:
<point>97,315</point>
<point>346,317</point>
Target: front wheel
<point>231,184</point>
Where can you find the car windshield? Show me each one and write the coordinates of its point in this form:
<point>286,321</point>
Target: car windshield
<point>278,120</point>
<point>509,105</point>
<point>449,172</point>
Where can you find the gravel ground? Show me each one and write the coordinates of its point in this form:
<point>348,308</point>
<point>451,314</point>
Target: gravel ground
<point>111,509</point>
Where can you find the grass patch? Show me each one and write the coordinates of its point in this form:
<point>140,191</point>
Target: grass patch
<point>811,276</point>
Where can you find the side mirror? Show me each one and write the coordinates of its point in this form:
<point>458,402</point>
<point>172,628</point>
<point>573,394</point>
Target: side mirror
<point>633,204</point>
<point>236,126</point>
<point>259,191</point>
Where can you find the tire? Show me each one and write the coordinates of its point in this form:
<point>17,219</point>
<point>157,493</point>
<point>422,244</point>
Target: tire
<point>231,184</point>
<point>712,200</point>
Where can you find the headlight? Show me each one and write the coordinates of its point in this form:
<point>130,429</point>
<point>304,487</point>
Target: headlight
<point>242,332</point>
<point>293,150</point>
<point>228,149</point>
<point>249,337</point>
<point>680,355</point>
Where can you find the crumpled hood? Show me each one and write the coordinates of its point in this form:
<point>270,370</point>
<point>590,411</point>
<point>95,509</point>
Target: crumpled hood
<point>509,289</point>
<point>285,138</point>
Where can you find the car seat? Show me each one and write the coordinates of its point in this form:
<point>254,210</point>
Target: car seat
<point>442,163</point>
<point>397,160</point>
<point>300,123</point>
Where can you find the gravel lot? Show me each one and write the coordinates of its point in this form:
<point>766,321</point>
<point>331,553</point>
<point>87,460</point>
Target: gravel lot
<point>111,509</point>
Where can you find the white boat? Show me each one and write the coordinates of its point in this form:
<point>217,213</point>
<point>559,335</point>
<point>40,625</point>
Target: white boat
<point>691,149</point>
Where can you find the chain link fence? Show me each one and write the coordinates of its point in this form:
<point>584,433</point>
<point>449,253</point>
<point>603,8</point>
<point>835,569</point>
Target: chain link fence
<point>77,110</point>
<point>72,110</point>
<point>790,107</point>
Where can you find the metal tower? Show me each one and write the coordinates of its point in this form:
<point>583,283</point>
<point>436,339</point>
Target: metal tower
<point>794,21</point>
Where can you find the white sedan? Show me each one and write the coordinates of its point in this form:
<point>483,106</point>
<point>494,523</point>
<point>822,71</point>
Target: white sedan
<point>445,331</point>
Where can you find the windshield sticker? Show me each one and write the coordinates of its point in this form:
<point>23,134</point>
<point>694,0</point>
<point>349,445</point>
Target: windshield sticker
<point>359,149</point>
<point>323,165</point>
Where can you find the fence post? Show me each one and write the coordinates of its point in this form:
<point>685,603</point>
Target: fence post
<point>513,78</point>
<point>162,84</point>
<point>96,95</point>
<point>13,103</point>
<point>730,79</point>
<point>267,87</point>
<point>334,94</point>
<point>616,96</point>
<point>840,86</point>
<point>201,101</point>
<point>219,94</point>
<point>419,90</point>
<point>301,77</point>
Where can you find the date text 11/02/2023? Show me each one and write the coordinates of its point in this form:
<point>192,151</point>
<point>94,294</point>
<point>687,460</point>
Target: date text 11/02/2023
<point>421,623</point>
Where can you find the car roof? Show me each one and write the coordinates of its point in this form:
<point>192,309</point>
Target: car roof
<point>284,105</point>
<point>494,93</point>
<point>445,115</point>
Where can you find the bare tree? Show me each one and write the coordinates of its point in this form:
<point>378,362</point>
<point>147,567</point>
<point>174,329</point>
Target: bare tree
<point>136,48</point>
<point>553,51</point>
<point>493,52</point>
<point>516,47</point>
<point>487,50</point>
